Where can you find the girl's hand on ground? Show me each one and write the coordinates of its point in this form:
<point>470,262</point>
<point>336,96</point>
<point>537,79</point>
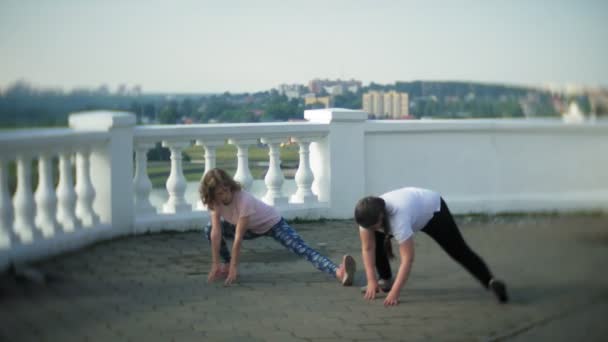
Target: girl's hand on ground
<point>372,289</point>
<point>213,273</point>
<point>232,274</point>
<point>392,299</point>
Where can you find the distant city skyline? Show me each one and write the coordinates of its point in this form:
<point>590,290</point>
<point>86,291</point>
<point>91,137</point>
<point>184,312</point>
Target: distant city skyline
<point>239,46</point>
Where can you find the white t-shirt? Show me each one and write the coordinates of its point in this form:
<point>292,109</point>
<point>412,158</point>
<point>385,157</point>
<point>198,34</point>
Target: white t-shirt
<point>409,210</point>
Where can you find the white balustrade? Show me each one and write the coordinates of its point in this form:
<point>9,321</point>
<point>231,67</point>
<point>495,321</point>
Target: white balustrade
<point>243,174</point>
<point>304,176</point>
<point>84,189</point>
<point>66,194</point>
<point>46,199</point>
<point>326,146</point>
<point>274,177</point>
<point>23,201</point>
<point>176,183</point>
<point>7,236</point>
<point>210,157</point>
<point>141,182</point>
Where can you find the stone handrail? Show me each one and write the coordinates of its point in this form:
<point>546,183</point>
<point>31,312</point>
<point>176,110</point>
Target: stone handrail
<point>34,141</point>
<point>483,166</point>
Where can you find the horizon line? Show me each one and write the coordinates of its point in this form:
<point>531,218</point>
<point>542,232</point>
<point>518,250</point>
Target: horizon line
<point>542,86</point>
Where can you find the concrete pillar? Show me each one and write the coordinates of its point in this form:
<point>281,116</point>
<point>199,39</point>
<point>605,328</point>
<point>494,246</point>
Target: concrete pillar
<point>111,166</point>
<point>338,160</point>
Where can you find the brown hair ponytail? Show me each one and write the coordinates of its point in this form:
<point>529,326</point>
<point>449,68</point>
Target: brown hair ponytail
<point>388,247</point>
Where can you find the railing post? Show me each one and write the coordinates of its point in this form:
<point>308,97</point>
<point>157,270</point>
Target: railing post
<point>66,194</point>
<point>176,183</point>
<point>243,174</point>
<point>141,182</point>
<point>111,166</point>
<point>274,177</point>
<point>7,235</point>
<point>304,176</point>
<point>23,201</point>
<point>338,160</point>
<point>84,189</point>
<point>46,198</point>
<point>210,148</point>
<point>210,157</point>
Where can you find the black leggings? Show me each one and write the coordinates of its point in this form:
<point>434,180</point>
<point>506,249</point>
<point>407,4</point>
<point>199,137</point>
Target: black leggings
<point>445,232</point>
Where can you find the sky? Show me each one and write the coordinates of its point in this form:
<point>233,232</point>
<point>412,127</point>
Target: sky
<point>254,45</point>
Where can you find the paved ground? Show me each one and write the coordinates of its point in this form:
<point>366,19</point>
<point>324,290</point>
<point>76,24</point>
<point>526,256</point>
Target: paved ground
<point>152,288</point>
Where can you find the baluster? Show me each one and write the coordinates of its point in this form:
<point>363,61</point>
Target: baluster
<point>320,166</point>
<point>46,199</point>
<point>7,235</point>
<point>84,190</point>
<point>304,176</point>
<point>141,182</point>
<point>210,157</point>
<point>243,174</point>
<point>210,149</point>
<point>176,183</point>
<point>274,177</point>
<point>23,202</point>
<point>66,194</point>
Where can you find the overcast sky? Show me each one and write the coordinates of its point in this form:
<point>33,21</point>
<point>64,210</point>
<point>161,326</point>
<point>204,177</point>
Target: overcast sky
<point>253,45</point>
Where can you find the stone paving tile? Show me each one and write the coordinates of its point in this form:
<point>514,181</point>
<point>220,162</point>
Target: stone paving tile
<point>153,288</point>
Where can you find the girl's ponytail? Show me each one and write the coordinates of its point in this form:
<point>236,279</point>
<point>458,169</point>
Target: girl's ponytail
<point>367,214</point>
<point>388,247</point>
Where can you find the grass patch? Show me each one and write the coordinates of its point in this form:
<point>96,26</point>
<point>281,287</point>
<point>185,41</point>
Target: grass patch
<point>257,153</point>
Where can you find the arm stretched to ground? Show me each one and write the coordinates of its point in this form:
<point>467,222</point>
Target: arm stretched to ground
<point>241,227</point>
<point>368,251</point>
<point>406,251</point>
<point>216,239</point>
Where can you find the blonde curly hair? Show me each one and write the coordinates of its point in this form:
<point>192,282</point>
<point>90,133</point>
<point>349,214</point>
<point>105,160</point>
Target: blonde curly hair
<point>213,179</point>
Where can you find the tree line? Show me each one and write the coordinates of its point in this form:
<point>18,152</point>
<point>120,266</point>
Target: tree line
<point>22,105</point>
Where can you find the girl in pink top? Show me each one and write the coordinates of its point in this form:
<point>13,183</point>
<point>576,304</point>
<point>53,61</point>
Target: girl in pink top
<point>238,215</point>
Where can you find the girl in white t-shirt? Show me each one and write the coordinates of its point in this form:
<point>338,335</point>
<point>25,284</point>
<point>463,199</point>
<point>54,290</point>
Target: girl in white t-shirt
<point>238,215</point>
<point>399,214</point>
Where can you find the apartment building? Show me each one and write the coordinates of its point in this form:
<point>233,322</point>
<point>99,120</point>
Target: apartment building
<point>393,104</point>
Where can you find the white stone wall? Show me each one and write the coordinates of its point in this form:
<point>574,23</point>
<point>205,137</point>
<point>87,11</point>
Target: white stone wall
<point>479,166</point>
<point>495,166</point>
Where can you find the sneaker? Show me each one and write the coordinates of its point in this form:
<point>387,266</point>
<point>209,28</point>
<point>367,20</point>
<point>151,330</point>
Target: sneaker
<point>349,267</point>
<point>500,290</point>
<point>383,284</point>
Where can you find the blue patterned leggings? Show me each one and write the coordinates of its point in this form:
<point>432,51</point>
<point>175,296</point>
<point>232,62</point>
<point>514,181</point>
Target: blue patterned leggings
<point>285,235</point>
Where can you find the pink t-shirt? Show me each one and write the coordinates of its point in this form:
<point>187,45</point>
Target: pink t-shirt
<point>261,216</point>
